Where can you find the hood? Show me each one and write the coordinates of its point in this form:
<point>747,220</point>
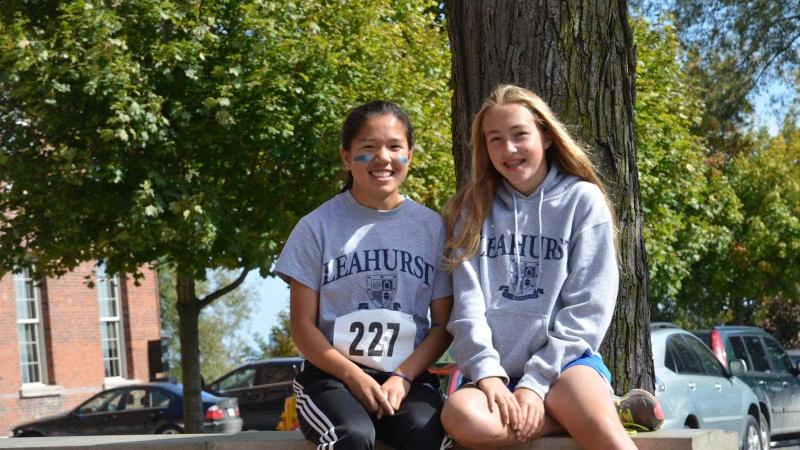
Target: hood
<point>41,423</point>
<point>555,183</point>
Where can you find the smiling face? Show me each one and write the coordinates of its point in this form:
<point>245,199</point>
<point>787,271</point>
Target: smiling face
<point>515,146</point>
<point>378,159</point>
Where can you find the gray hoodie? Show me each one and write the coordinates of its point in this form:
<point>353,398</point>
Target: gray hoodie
<point>541,290</point>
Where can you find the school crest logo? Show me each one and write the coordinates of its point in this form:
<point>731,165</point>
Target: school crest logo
<point>381,289</point>
<point>522,285</point>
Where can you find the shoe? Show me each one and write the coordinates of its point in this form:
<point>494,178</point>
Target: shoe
<point>639,410</point>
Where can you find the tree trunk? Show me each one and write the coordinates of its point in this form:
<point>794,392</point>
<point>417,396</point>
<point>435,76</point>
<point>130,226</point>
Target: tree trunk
<point>188,316</point>
<point>578,55</point>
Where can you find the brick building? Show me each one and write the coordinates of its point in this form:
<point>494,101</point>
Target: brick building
<point>62,341</point>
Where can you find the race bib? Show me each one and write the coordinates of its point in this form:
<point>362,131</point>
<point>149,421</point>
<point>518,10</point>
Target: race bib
<point>378,338</point>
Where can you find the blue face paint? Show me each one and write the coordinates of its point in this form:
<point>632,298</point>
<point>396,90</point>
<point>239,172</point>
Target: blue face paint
<point>367,158</point>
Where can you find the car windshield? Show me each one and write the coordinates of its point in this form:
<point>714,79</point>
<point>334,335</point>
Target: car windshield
<point>685,359</point>
<point>710,364</point>
<point>106,401</point>
<point>276,373</point>
<point>704,336</point>
<point>239,379</point>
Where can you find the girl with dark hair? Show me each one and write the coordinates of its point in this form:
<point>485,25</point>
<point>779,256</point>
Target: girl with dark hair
<point>368,305</point>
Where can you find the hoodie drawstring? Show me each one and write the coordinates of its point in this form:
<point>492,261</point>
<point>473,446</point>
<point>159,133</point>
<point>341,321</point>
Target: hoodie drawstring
<point>516,232</point>
<point>541,200</point>
<point>538,236</point>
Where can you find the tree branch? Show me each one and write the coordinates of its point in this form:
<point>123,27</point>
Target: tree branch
<point>778,53</point>
<point>208,299</point>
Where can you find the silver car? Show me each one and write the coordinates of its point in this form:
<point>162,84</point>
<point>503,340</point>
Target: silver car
<point>696,391</point>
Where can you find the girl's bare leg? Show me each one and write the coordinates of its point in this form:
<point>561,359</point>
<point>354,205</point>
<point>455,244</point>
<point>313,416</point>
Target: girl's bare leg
<point>467,419</point>
<point>581,402</point>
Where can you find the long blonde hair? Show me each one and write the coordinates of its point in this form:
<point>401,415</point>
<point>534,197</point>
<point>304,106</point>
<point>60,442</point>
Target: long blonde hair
<point>466,211</point>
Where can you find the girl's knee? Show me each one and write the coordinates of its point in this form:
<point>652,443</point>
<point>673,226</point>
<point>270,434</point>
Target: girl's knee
<point>423,434</point>
<point>458,409</point>
<point>358,438</point>
<point>465,423</point>
<point>418,420</point>
<point>451,412</point>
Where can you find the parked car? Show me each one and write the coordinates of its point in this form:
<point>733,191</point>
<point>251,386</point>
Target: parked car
<point>136,409</point>
<point>261,388</point>
<point>696,391</point>
<point>768,370</point>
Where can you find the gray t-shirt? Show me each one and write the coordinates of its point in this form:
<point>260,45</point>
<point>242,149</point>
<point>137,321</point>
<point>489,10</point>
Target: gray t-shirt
<point>358,258</point>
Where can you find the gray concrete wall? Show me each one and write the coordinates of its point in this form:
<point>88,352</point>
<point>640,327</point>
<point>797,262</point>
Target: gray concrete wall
<point>277,440</point>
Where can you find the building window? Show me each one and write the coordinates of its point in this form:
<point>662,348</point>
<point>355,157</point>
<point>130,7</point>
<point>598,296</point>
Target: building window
<point>111,331</point>
<point>29,328</point>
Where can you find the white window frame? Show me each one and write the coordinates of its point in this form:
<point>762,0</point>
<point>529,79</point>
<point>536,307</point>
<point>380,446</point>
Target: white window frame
<point>116,297</point>
<point>23,275</point>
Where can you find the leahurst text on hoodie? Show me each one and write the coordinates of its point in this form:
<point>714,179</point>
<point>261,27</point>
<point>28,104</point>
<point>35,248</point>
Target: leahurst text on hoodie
<point>540,291</point>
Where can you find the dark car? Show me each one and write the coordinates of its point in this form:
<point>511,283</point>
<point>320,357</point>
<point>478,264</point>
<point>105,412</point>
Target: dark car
<point>155,408</point>
<point>768,371</point>
<point>261,388</point>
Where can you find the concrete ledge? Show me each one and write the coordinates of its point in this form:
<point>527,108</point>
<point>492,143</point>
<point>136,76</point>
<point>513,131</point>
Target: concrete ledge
<point>293,440</point>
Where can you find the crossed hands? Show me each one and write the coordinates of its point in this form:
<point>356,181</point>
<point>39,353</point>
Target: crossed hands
<point>380,399</point>
<point>522,410</point>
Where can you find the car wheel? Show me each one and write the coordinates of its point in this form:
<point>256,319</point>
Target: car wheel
<point>169,429</point>
<point>764,431</point>
<point>752,436</point>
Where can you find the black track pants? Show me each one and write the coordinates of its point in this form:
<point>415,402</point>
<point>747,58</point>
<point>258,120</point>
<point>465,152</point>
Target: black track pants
<point>333,418</point>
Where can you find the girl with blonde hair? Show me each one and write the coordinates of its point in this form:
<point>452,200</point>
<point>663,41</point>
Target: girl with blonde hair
<point>531,243</point>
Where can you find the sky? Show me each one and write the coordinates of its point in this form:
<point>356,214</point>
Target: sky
<point>771,106</point>
<point>272,296</point>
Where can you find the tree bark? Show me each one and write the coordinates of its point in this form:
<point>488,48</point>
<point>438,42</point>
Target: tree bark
<point>189,307</point>
<point>188,320</point>
<point>579,56</point>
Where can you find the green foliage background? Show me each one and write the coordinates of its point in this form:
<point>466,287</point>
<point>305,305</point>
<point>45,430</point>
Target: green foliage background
<point>280,341</point>
<point>196,134</point>
<point>758,275</point>
<point>223,331</point>
<point>721,218</point>
<point>199,133</point>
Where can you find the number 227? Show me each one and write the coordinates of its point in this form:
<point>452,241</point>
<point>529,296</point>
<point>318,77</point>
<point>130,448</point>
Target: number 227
<point>377,328</point>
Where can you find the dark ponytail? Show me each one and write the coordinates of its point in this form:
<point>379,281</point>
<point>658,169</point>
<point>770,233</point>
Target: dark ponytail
<point>349,183</point>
